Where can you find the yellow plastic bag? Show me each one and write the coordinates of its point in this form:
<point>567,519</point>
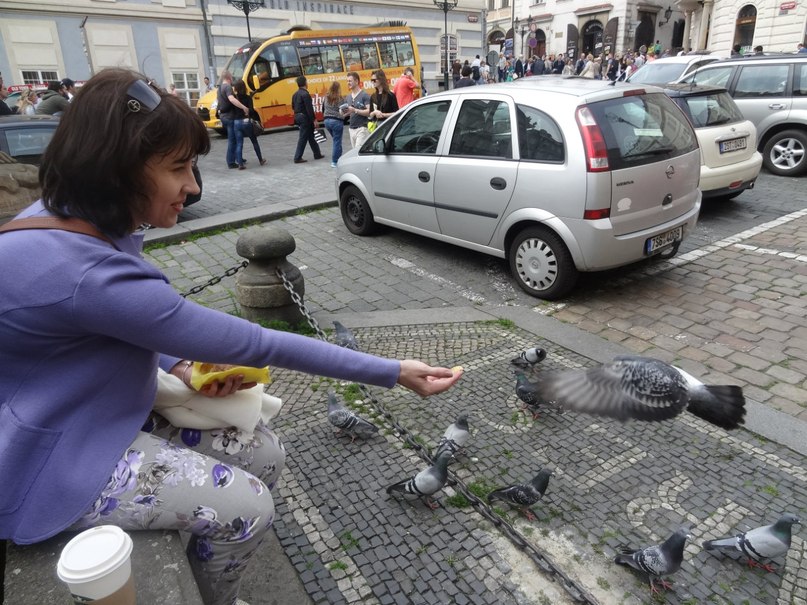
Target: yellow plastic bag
<point>204,373</point>
<point>372,125</point>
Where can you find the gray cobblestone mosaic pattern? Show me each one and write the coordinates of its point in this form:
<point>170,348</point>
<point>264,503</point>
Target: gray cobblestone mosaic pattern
<point>614,484</point>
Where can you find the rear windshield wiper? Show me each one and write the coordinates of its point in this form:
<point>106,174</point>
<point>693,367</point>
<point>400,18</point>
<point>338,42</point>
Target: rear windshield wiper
<point>648,152</point>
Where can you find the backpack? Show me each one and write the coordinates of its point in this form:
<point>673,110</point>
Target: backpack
<point>475,72</point>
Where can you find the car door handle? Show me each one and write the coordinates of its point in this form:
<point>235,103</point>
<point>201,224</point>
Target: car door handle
<point>498,183</point>
<point>424,177</point>
<point>777,106</point>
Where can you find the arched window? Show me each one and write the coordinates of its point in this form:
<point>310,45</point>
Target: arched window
<point>744,28</point>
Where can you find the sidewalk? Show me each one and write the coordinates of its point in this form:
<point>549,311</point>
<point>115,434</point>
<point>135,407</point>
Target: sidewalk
<point>733,312</point>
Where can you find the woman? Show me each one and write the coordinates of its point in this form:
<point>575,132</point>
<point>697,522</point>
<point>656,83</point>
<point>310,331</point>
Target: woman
<point>244,127</point>
<point>26,105</point>
<point>85,323</point>
<point>568,68</point>
<point>334,120</point>
<point>589,69</point>
<point>382,102</point>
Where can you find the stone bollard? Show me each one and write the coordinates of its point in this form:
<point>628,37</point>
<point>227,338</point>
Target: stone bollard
<point>259,289</point>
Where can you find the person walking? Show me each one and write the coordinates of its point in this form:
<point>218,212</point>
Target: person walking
<point>245,129</point>
<point>52,102</point>
<point>68,88</point>
<point>306,121</point>
<point>358,108</point>
<point>404,88</point>
<point>465,80</point>
<point>382,102</point>
<point>5,110</point>
<point>230,109</point>
<point>334,120</point>
<point>26,106</point>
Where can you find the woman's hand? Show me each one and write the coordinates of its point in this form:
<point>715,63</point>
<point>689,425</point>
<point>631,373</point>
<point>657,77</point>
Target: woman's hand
<point>426,380</point>
<point>230,385</point>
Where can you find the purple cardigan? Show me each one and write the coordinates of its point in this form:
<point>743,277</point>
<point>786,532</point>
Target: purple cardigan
<point>80,327</point>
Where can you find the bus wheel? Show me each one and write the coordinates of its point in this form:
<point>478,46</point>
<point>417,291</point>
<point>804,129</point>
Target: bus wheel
<point>356,213</point>
<point>221,131</point>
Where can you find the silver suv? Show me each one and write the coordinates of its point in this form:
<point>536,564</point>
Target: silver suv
<point>556,174</point>
<point>771,91</point>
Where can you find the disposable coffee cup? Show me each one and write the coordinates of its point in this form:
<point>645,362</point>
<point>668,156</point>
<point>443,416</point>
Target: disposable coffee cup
<point>97,568</point>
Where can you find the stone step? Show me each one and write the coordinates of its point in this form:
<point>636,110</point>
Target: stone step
<point>161,570</point>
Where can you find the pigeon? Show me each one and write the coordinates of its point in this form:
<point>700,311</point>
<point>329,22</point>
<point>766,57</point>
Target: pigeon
<point>529,357</point>
<point>529,393</point>
<point>524,495</point>
<point>455,437</point>
<point>344,337</point>
<point>759,544</point>
<point>348,422</point>
<point>657,561</point>
<point>642,388</point>
<point>427,482</point>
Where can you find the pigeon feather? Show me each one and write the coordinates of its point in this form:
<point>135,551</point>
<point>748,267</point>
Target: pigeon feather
<point>347,421</point>
<point>657,561</point>
<point>761,543</point>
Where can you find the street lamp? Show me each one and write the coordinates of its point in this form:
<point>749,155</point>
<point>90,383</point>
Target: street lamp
<point>445,6</point>
<point>667,14</point>
<point>247,6</point>
<point>524,29</point>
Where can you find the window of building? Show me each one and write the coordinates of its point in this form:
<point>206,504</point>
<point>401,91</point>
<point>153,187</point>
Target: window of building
<point>187,84</point>
<point>452,51</point>
<point>39,76</point>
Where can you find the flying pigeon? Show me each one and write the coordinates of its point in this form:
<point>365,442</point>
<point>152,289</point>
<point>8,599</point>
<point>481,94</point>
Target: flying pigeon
<point>427,482</point>
<point>530,394</point>
<point>455,437</point>
<point>524,495</point>
<point>348,422</point>
<point>529,357</point>
<point>767,542</point>
<point>642,388</point>
<point>344,337</point>
<point>657,561</point>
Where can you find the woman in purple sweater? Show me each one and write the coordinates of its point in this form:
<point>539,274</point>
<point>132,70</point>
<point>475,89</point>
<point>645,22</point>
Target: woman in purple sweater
<point>85,323</point>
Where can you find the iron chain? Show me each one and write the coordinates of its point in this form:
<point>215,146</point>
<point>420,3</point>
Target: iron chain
<point>572,588</point>
<point>214,280</point>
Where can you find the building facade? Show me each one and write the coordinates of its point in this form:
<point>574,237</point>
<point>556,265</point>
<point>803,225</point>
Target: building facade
<point>181,41</point>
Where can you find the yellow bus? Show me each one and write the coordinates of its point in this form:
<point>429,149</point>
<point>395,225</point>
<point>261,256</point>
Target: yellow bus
<point>270,67</point>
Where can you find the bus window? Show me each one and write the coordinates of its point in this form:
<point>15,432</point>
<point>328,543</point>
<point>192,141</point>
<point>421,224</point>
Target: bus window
<point>265,68</point>
<point>406,56</point>
<point>352,56</point>
<point>389,55</point>
<point>311,61</point>
<point>331,59</point>
<point>289,63</point>
<point>320,59</point>
<point>361,56</point>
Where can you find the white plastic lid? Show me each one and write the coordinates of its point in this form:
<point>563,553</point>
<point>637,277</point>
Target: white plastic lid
<point>93,554</point>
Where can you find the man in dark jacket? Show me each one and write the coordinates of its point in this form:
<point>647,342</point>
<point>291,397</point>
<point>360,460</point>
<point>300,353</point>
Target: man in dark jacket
<point>52,100</point>
<point>558,64</point>
<point>306,121</point>
<point>5,110</point>
<point>465,80</point>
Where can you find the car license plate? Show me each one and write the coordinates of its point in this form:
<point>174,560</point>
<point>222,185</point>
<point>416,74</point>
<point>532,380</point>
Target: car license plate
<point>733,145</point>
<point>662,241</point>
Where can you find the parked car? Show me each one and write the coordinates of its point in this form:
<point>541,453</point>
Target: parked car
<point>670,69</point>
<point>558,175</point>
<point>25,138</point>
<point>730,162</point>
<point>771,91</point>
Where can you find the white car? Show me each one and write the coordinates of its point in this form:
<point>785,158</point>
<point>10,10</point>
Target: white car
<point>670,69</point>
<point>730,162</point>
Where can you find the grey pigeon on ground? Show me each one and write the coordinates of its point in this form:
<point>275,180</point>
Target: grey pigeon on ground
<point>642,388</point>
<point>529,357</point>
<point>348,422</point>
<point>524,495</point>
<point>657,561</point>
<point>427,482</point>
<point>759,544</point>
<point>344,337</point>
<point>455,437</point>
<point>530,394</point>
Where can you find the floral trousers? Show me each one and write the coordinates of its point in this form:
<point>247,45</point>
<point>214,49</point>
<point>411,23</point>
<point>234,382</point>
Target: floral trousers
<point>214,484</point>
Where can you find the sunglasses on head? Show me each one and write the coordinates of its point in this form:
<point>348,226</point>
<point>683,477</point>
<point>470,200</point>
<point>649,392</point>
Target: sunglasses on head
<point>142,95</point>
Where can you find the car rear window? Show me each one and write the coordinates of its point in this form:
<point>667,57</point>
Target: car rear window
<point>643,129</point>
<point>710,110</point>
<point>28,143</point>
<point>652,73</point>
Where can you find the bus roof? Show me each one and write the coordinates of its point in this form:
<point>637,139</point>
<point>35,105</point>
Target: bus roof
<point>303,31</point>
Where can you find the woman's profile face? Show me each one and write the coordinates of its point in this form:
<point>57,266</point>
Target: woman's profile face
<point>172,180</point>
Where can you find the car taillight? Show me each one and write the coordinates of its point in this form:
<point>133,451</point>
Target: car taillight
<point>593,215</point>
<point>593,141</point>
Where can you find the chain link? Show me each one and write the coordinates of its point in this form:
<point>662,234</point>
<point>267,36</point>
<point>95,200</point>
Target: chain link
<point>214,280</point>
<point>572,588</point>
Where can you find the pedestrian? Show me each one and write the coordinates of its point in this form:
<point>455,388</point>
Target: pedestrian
<point>245,127</point>
<point>334,119</point>
<point>208,86</point>
<point>26,106</point>
<point>404,88</point>
<point>358,108</point>
<point>52,102</point>
<point>230,109</point>
<point>85,445</point>
<point>306,121</point>
<point>801,49</point>
<point>758,50</point>
<point>382,102</point>
<point>5,110</point>
<point>500,67</point>
<point>68,88</point>
<point>465,79</point>
<point>456,71</point>
<point>736,51</point>
<point>476,74</point>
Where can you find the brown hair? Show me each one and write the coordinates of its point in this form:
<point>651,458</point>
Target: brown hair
<point>334,96</point>
<point>94,167</point>
<point>379,97</point>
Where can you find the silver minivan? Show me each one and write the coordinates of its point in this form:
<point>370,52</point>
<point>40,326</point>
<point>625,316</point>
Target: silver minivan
<point>557,174</point>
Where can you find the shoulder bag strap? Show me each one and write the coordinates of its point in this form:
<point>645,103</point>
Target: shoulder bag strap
<point>73,224</point>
